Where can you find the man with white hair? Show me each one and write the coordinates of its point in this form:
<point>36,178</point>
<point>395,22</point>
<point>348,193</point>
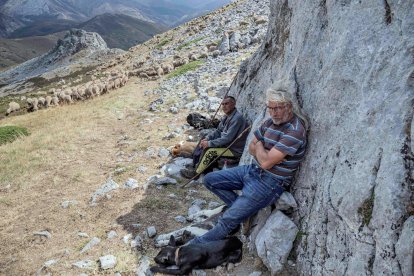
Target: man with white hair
<point>277,148</point>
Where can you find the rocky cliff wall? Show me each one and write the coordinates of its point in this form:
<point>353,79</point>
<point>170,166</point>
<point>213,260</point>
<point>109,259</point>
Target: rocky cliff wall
<point>351,65</point>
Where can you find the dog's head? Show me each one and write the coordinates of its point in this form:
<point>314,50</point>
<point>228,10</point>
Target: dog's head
<point>176,150</point>
<point>167,254</point>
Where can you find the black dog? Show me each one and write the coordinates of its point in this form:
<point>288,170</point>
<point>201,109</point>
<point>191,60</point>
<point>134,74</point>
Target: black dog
<point>197,256</point>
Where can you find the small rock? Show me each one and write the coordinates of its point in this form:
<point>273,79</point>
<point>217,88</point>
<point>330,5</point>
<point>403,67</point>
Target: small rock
<point>213,205</point>
<point>107,262</point>
<point>49,263</point>
<point>94,241</point>
<point>172,196</point>
<point>144,266</point>
<point>151,231</point>
<point>136,225</point>
<point>291,263</point>
<point>66,204</point>
<point>163,152</point>
<point>165,181</point>
<point>199,202</point>
<point>137,242</point>
<point>230,266</point>
<point>180,219</point>
<point>174,110</point>
<point>255,273</point>
<point>86,264</point>
<point>120,170</point>
<point>126,238</point>
<point>131,184</point>
<point>109,186</point>
<point>112,234</point>
<point>83,235</point>
<point>193,209</point>
<point>45,234</point>
<point>199,272</point>
<point>142,169</point>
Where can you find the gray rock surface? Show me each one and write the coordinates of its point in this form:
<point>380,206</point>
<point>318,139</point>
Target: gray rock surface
<point>405,248</point>
<point>275,240</point>
<point>85,264</point>
<point>349,65</point>
<point>107,262</point>
<point>165,181</point>
<point>151,231</point>
<point>131,184</point>
<point>143,267</point>
<point>109,186</point>
<point>94,241</point>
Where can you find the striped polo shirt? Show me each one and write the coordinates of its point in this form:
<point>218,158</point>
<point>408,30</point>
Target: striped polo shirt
<point>289,138</point>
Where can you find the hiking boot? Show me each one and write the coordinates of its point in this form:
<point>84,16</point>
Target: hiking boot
<point>188,173</point>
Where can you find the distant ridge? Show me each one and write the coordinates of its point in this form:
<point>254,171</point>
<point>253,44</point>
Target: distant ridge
<point>122,31</point>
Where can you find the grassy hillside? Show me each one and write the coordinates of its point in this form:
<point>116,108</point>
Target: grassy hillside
<point>122,31</point>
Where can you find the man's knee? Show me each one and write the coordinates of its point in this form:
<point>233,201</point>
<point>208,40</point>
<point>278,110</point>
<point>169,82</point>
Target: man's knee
<point>209,179</point>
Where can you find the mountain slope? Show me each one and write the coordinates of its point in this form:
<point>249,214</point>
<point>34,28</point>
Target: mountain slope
<point>15,51</point>
<point>30,13</point>
<point>121,31</point>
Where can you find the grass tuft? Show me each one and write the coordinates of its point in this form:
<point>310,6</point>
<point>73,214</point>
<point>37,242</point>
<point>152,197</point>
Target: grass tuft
<point>185,68</point>
<point>365,210</point>
<point>10,133</point>
<point>163,43</point>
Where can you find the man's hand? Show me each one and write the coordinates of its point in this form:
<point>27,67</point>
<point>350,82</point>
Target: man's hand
<point>204,143</point>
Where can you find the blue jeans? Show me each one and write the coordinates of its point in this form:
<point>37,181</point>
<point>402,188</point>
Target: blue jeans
<point>259,189</point>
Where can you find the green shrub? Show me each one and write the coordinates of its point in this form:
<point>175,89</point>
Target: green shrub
<point>189,43</point>
<point>10,133</point>
<point>185,68</point>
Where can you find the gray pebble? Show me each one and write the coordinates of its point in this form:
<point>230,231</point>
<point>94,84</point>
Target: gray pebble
<point>94,241</point>
<point>180,219</point>
<point>45,234</point>
<point>151,231</point>
<point>112,234</point>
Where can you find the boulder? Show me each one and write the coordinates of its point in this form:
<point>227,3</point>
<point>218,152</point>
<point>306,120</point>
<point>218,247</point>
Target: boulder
<point>275,240</point>
<point>224,46</point>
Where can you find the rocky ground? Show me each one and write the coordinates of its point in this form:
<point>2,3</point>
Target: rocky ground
<point>86,192</point>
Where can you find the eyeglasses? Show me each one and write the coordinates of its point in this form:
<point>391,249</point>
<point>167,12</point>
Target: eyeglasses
<point>277,108</point>
<point>226,103</point>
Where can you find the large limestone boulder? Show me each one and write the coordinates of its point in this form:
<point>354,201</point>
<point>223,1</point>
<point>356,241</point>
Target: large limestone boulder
<point>350,64</point>
<point>275,240</point>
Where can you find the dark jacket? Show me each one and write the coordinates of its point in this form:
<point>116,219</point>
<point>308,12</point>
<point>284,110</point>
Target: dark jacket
<point>228,130</point>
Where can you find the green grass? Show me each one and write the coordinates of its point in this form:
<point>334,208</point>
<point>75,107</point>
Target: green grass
<point>185,68</point>
<point>10,133</point>
<point>184,45</point>
<point>163,43</point>
<point>365,210</point>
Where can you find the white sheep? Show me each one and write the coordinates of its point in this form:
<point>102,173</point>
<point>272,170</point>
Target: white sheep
<point>13,107</point>
<point>42,101</point>
<point>55,100</point>
<point>48,101</point>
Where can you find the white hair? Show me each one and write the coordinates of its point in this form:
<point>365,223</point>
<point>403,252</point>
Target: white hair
<point>282,93</point>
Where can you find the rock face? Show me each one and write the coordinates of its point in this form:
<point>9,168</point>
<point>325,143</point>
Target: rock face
<point>351,66</point>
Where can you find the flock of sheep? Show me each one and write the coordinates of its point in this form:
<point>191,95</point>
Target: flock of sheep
<point>67,95</point>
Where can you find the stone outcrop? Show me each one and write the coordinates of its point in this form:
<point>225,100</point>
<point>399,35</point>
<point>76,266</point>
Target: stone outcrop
<point>350,64</point>
<point>77,47</point>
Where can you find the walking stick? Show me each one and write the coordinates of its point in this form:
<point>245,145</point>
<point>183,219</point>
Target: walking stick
<point>215,159</point>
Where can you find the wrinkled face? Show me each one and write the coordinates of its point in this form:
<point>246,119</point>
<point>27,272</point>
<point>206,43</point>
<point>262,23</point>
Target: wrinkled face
<point>166,256</point>
<point>228,106</point>
<point>281,112</point>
